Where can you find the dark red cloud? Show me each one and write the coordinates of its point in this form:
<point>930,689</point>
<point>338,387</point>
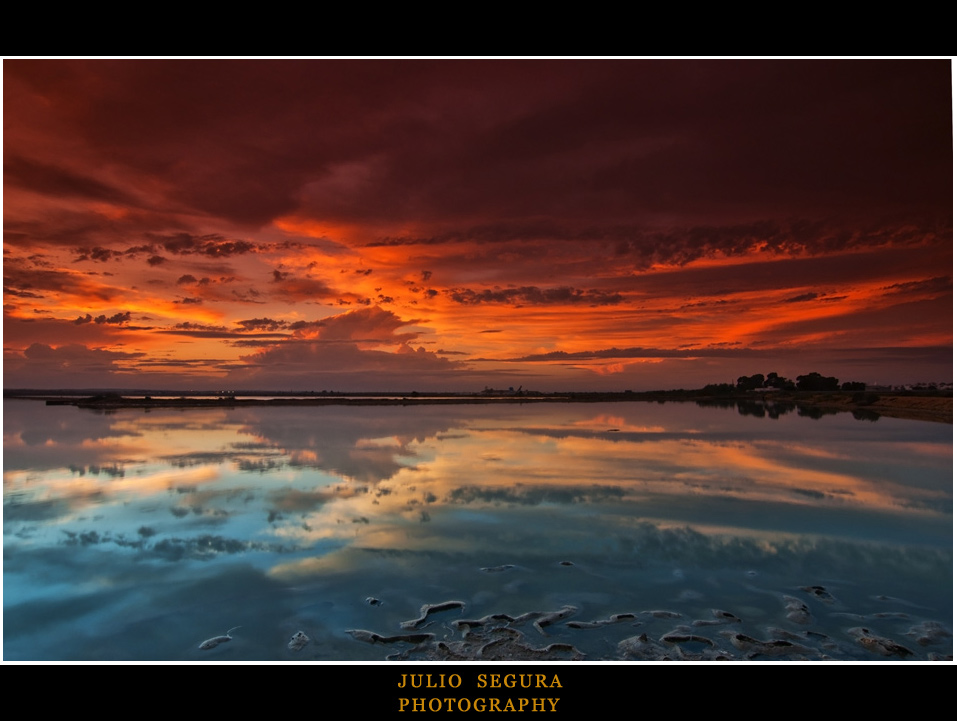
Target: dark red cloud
<point>214,246</point>
<point>357,347</point>
<point>370,325</point>
<point>937,286</point>
<point>262,324</point>
<point>519,139</point>
<point>44,282</point>
<point>99,254</point>
<point>113,332</point>
<point>803,297</point>
<point>533,295</point>
<point>200,327</point>
<point>75,362</point>
<point>116,319</point>
<point>571,204</point>
<point>763,274</point>
<point>49,179</point>
<point>294,290</point>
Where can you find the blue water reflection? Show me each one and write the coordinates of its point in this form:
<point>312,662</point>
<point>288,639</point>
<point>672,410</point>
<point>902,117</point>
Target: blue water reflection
<point>138,534</point>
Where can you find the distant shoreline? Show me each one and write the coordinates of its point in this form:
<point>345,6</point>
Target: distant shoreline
<point>867,405</point>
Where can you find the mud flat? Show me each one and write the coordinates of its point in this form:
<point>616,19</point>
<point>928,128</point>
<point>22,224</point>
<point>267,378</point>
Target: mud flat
<point>940,410</point>
<point>937,409</point>
<point>671,635</point>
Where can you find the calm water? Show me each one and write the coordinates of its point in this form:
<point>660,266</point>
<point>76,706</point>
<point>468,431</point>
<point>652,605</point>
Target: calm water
<point>138,535</point>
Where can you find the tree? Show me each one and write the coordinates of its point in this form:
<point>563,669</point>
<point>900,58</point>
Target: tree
<point>750,383</point>
<point>817,382</point>
<point>780,382</point>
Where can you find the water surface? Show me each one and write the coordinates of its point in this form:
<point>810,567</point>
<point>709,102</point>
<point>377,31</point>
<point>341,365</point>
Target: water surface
<point>139,534</point>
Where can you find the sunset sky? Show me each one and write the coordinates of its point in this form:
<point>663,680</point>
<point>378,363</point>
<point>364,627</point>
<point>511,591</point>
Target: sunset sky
<point>455,224</point>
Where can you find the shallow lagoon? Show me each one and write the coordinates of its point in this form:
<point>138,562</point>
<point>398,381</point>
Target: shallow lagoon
<point>136,535</point>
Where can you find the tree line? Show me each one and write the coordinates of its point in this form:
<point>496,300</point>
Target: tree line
<point>772,381</point>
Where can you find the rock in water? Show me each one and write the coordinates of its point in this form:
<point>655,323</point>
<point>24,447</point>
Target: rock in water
<point>797,611</point>
<point>614,618</point>
<point>216,640</point>
<point>431,608</point>
<point>929,632</point>
<point>879,644</point>
<point>298,642</point>
<point>820,593</point>
<point>369,637</point>
<point>554,617</point>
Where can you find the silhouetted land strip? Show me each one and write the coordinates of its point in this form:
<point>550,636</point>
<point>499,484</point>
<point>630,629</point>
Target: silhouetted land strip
<point>867,405</point>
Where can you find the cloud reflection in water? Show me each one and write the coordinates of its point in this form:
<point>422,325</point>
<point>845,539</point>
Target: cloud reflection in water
<point>409,502</point>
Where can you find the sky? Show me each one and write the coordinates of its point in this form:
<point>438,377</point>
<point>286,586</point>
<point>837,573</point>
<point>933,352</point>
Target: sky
<point>458,224</point>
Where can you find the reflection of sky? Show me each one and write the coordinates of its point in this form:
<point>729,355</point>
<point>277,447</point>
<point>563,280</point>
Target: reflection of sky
<point>291,490</point>
<point>314,472</point>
